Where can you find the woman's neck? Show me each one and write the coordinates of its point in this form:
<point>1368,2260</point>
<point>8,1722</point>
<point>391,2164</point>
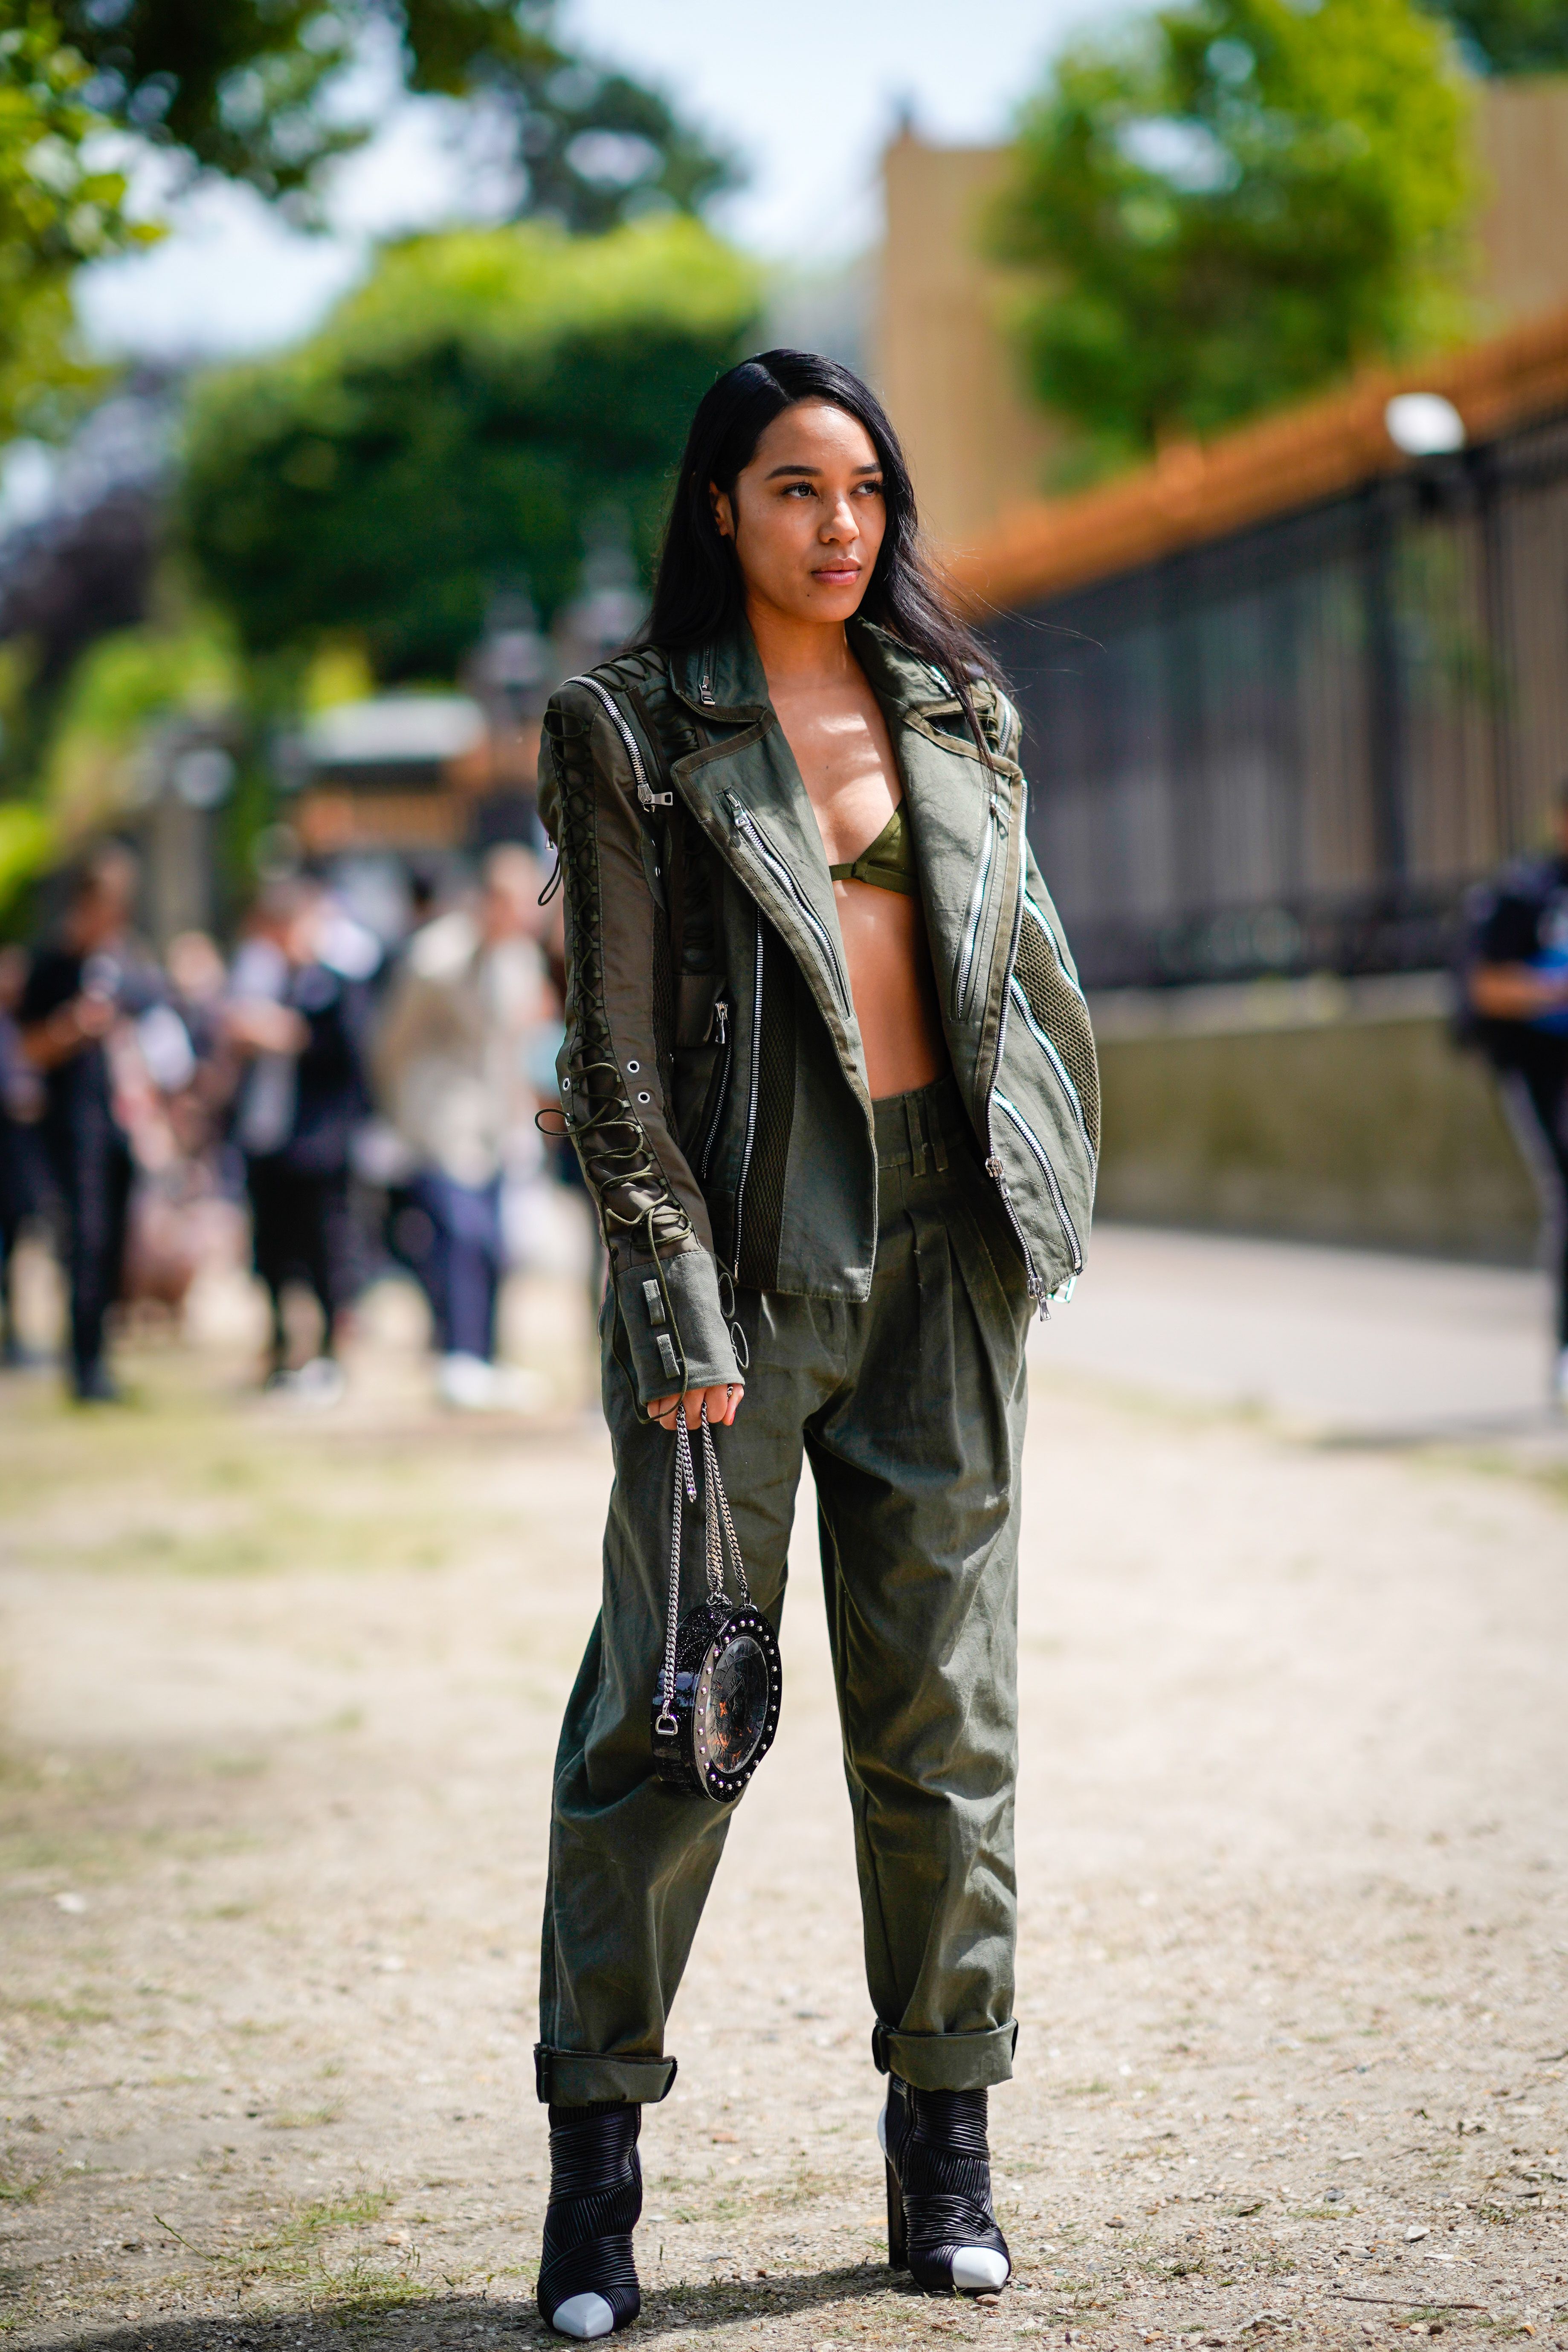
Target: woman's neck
<point>799,656</point>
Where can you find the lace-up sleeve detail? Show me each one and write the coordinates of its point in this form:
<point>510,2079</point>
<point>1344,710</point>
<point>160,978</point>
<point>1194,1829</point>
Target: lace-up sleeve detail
<point>616,1064</point>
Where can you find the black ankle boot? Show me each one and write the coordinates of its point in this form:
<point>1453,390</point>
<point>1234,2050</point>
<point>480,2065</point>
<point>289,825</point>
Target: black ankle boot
<point>941,2227</point>
<point>587,2279</point>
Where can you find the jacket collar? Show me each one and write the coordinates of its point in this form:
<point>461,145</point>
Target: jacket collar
<point>724,680</point>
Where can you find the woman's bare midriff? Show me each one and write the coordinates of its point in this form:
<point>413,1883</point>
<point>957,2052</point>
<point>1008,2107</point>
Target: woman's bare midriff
<point>891,979</point>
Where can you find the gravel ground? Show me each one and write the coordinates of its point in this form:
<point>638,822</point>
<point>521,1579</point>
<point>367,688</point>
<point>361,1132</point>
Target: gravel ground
<point>278,1704</point>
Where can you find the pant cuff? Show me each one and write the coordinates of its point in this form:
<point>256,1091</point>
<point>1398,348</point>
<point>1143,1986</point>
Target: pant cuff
<point>946,2061</point>
<point>576,2078</point>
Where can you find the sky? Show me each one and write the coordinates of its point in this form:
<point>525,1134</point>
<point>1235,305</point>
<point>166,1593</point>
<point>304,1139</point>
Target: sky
<point>806,93</point>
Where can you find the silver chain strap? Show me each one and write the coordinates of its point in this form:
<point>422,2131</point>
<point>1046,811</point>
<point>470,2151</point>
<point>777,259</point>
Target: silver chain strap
<point>720,1529</point>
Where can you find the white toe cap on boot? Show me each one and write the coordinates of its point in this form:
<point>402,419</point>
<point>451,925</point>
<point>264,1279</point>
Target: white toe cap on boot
<point>975,2271</point>
<point>587,2315</point>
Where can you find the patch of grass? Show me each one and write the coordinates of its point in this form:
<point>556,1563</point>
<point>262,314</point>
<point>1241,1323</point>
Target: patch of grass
<point>79,2011</point>
<point>309,2223</point>
<point>362,2294</point>
<point>23,2182</point>
<point>348,2286</point>
<point>304,2118</point>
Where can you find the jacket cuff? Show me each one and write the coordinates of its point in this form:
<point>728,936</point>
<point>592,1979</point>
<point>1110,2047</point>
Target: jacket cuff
<point>695,1351</point>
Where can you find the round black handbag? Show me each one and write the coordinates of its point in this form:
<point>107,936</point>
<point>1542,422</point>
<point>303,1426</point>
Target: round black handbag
<point>716,1708</point>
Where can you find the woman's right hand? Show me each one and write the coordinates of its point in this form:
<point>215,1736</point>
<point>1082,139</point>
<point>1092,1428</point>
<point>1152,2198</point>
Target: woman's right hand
<point>722,1403</point>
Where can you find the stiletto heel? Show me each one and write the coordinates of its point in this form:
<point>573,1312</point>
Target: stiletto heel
<point>898,2233</point>
<point>587,2278</point>
<point>941,2225</point>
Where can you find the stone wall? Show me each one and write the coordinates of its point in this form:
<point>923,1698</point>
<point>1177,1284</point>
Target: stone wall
<point>1318,1111</point>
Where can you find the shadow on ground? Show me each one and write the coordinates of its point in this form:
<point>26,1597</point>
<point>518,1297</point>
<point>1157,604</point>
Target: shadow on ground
<point>396,2319</point>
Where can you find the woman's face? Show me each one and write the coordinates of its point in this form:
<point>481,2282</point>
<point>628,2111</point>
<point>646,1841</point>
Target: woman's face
<point>807,514</point>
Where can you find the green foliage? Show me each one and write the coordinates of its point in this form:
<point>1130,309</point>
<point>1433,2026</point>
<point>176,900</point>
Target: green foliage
<point>56,210</point>
<point>1231,204</point>
<point>254,91</point>
<point>1510,37</point>
<point>456,427</point>
<point>122,690</point>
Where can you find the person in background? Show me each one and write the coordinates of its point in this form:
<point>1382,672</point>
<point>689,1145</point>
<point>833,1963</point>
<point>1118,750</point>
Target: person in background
<point>21,1179</point>
<point>298,1025</point>
<point>1518,986</point>
<point>451,1068</point>
<point>80,986</point>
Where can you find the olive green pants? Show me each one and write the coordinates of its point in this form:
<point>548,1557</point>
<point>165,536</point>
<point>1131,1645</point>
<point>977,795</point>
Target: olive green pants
<point>911,1409</point>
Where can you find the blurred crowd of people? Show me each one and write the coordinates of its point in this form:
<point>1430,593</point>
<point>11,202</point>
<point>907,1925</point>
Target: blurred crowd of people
<point>364,1104</point>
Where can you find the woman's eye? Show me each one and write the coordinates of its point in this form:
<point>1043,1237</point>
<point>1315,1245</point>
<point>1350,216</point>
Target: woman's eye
<point>870,489</point>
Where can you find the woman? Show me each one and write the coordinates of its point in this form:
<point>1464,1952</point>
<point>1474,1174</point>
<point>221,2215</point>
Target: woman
<point>831,1079</point>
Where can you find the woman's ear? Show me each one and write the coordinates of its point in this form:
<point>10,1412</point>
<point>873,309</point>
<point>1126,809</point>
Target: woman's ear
<point>723,512</point>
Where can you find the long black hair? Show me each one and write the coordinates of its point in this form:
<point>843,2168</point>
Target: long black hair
<point>699,590</point>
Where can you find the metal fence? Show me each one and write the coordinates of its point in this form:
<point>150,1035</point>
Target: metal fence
<point>1291,750</point>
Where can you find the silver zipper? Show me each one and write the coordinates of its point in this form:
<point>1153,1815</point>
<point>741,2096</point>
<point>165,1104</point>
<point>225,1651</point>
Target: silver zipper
<point>1036,1289</point>
<point>721,1023</point>
<point>752,1096</point>
<point>1068,1229</point>
<point>705,682</point>
<point>645,794</point>
<point>976,910</point>
<point>746,823</point>
<point>1063,1077</point>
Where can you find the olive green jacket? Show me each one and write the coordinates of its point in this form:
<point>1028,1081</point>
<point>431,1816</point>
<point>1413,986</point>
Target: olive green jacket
<point>712,1076</point>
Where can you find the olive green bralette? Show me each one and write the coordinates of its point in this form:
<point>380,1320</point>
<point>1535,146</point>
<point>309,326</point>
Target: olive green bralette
<point>888,863</point>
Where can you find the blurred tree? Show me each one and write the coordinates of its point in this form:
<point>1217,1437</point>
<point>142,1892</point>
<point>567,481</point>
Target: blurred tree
<point>57,210</point>
<point>1510,37</point>
<point>454,429</point>
<point>253,89</point>
<point>1230,202</point>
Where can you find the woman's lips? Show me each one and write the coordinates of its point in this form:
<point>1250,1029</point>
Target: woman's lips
<point>834,575</point>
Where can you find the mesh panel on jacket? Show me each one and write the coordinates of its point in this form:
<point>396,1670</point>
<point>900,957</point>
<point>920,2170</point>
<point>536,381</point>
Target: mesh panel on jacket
<point>1059,1010</point>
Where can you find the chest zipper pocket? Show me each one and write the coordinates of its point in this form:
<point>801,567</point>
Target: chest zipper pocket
<point>762,849</point>
<point>718,1089</point>
<point>1069,1230</point>
<point>963,984</point>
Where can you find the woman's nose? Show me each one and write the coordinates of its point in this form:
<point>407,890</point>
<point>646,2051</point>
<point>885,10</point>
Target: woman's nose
<point>842,523</point>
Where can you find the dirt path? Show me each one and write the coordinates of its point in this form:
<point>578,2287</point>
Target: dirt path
<point>278,1706</point>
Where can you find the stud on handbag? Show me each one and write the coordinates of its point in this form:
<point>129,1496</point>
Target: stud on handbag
<point>716,1708</point>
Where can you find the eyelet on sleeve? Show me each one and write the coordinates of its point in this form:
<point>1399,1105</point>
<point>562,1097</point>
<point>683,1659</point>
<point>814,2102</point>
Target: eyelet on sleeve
<point>634,1067</point>
<point>645,1099</point>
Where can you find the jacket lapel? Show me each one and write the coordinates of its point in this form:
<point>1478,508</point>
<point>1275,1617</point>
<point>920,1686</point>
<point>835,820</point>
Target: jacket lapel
<point>745,790</point>
<point>947,791</point>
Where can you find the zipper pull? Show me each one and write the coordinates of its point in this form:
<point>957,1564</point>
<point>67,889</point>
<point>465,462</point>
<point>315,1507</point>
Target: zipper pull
<point>1036,1289</point>
<point>721,1021</point>
<point>705,683</point>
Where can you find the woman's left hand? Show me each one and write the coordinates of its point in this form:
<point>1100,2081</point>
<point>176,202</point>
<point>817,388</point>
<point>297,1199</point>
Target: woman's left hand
<point>723,1404</point>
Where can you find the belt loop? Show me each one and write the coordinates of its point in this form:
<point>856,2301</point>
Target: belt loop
<point>917,1136</point>
<point>938,1140</point>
